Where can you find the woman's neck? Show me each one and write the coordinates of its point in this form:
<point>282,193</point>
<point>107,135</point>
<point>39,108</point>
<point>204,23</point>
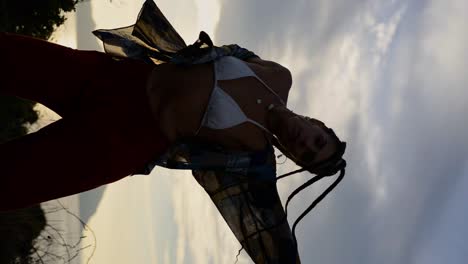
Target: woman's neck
<point>276,117</point>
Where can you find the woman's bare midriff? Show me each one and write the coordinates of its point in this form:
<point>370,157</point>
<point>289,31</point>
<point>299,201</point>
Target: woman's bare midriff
<point>179,96</point>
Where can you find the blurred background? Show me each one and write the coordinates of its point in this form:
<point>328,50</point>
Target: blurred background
<point>388,76</point>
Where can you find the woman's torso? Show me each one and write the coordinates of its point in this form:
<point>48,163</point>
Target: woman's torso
<point>180,95</point>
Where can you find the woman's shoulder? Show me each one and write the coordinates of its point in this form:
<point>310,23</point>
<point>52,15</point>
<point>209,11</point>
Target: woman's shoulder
<point>275,69</point>
<point>275,75</point>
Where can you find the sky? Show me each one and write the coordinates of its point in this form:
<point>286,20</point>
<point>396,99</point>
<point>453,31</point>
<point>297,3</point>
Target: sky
<point>387,76</point>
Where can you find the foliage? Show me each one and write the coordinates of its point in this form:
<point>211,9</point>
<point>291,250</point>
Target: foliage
<point>56,245</point>
<point>34,18</point>
<point>18,229</point>
<point>14,113</point>
<point>27,238</point>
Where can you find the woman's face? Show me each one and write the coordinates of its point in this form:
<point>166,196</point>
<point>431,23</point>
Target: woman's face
<point>306,140</point>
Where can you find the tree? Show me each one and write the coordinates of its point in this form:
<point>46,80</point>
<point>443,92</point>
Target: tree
<point>18,230</point>
<point>34,18</point>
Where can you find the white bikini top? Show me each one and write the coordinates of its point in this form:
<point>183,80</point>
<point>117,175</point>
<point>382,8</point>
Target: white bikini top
<point>222,111</point>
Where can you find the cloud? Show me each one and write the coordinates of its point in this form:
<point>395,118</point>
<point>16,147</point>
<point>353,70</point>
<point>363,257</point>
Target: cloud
<point>444,235</point>
<point>427,147</point>
<point>411,141</point>
<point>389,77</point>
<point>202,234</point>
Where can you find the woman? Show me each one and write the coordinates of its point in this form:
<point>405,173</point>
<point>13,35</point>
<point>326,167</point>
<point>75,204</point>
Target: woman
<point>120,114</point>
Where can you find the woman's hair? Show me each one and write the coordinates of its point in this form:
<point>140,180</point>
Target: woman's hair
<point>328,167</point>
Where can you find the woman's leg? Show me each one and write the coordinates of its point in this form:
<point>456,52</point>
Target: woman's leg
<point>108,130</point>
<point>48,73</point>
<point>72,156</point>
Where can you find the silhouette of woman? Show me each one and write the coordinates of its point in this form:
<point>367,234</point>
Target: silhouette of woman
<point>129,109</point>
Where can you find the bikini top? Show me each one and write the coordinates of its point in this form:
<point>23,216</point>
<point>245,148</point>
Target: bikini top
<point>222,110</point>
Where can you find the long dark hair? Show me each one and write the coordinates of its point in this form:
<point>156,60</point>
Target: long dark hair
<point>326,168</point>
